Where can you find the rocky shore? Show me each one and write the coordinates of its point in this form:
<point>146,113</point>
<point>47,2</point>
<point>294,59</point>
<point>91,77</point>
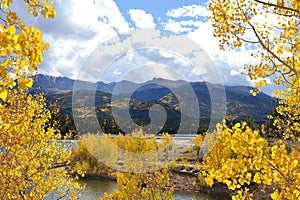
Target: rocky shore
<point>182,180</point>
<point>187,180</point>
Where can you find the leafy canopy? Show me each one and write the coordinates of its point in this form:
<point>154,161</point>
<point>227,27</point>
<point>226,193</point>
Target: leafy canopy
<point>29,151</point>
<point>271,30</point>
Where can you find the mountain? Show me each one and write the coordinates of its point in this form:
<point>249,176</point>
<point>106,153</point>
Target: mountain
<point>240,104</point>
<point>57,85</point>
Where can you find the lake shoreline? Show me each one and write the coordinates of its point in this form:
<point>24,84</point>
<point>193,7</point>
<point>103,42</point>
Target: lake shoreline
<point>188,181</point>
<point>183,181</point>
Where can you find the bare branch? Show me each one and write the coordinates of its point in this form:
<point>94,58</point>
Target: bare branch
<point>268,50</point>
<point>277,6</point>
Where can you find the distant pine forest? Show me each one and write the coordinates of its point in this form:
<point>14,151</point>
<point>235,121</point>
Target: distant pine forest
<point>240,104</point>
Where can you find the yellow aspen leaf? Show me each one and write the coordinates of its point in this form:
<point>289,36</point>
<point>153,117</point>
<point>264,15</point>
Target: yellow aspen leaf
<point>3,94</point>
<point>12,30</point>
<point>47,45</point>
<point>24,63</point>
<point>28,82</point>
<point>35,13</point>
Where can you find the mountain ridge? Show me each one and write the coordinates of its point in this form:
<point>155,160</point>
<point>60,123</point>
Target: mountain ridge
<point>57,85</point>
<point>240,104</point>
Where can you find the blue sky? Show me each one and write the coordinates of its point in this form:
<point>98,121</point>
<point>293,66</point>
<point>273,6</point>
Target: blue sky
<point>158,9</point>
<point>81,25</point>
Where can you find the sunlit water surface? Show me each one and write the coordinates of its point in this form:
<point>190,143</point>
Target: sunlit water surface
<point>96,188</point>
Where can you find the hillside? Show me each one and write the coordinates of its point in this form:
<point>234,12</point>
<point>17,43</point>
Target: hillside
<point>240,104</point>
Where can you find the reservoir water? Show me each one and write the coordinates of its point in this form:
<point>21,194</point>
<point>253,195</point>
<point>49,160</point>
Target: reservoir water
<point>96,188</point>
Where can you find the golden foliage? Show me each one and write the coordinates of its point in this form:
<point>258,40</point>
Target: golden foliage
<point>21,46</point>
<point>152,185</point>
<point>29,152</point>
<point>140,171</point>
<point>140,180</point>
<point>271,30</point>
<point>241,157</point>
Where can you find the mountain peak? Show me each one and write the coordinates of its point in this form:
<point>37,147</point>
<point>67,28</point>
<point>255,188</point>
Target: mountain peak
<point>239,101</point>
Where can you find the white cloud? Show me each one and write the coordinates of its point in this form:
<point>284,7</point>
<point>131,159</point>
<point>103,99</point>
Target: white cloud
<point>75,32</point>
<point>93,14</point>
<point>194,23</point>
<point>116,72</point>
<point>178,24</point>
<point>233,72</point>
<point>141,18</point>
<point>82,24</point>
<point>227,62</point>
<point>176,27</point>
<point>188,11</point>
<point>166,54</point>
<point>129,56</point>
